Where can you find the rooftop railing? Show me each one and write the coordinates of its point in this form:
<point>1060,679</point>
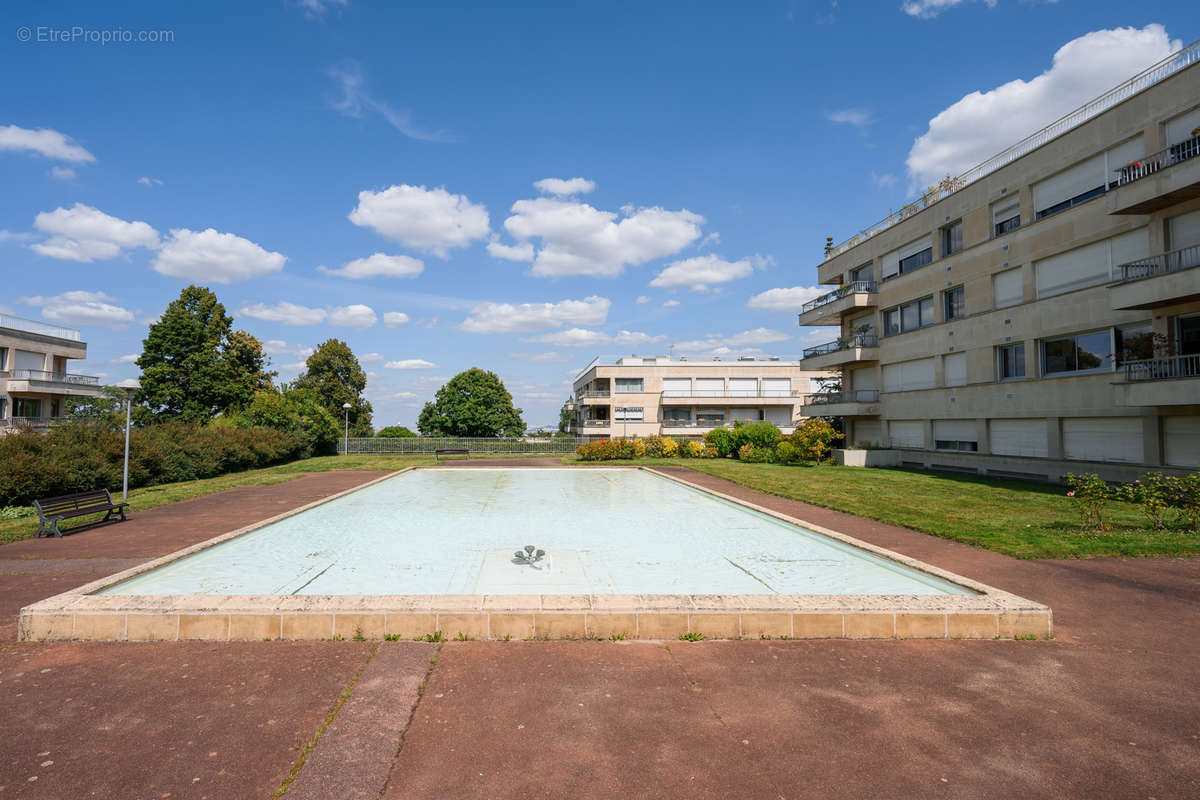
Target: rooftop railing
<point>1161,264</point>
<point>833,398</point>
<point>54,377</point>
<point>854,287</point>
<point>33,326</point>
<point>1138,83</point>
<point>1163,369</point>
<point>845,343</point>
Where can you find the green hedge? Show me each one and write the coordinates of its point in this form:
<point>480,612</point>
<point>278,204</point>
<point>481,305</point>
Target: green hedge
<point>80,456</point>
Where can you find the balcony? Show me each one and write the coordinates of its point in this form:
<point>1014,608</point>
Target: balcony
<point>847,350</point>
<point>1156,182</point>
<point>40,328</point>
<point>686,397</point>
<point>856,403</point>
<point>829,308</point>
<point>1160,280</point>
<point>39,423</point>
<point>1168,381</point>
<point>589,424</point>
<point>43,382</point>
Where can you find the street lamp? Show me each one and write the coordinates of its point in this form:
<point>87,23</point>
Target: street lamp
<point>624,421</point>
<point>346,450</point>
<point>130,386</point>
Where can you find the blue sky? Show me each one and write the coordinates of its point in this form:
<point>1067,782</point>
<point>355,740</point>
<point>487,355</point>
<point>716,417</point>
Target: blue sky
<point>367,171</point>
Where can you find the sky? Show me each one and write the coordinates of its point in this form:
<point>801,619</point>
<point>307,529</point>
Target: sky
<point>515,186</point>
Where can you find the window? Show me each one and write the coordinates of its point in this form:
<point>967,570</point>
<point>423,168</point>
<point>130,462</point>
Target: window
<point>905,259</point>
<point>908,317</point>
<point>1010,361</point>
<point>677,387</point>
<point>864,273</point>
<point>916,260</point>
<point>1134,342</point>
<point>677,416</point>
<point>954,303</point>
<point>628,384</point>
<point>708,417</point>
<point>1082,352</point>
<point>954,369</point>
<point>956,444</point>
<point>1007,289</point>
<point>1006,216</point>
<point>3,406</point>
<point>27,407</point>
<point>1091,264</point>
<point>3,359</point>
<point>952,238</point>
<point>628,414</point>
<point>1089,178</point>
<point>907,376</point>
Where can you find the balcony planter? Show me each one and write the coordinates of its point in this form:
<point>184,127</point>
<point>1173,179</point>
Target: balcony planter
<point>866,458</point>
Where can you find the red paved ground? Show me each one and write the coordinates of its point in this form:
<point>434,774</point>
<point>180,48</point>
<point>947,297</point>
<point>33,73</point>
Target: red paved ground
<point>1109,708</point>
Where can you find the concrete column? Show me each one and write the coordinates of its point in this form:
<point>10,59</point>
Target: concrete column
<point>1152,451</point>
<point>981,436</point>
<point>1054,443</point>
<point>928,434</point>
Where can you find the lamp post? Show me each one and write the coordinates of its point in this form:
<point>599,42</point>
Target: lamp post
<point>624,421</point>
<point>346,446</point>
<point>130,386</point>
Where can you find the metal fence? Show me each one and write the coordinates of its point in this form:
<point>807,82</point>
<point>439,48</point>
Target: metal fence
<point>426,445</point>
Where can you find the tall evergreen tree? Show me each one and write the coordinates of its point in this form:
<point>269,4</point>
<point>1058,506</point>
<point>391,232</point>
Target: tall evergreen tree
<point>334,374</point>
<point>194,365</point>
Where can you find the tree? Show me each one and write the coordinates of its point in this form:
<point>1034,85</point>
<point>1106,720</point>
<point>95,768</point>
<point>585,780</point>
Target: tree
<point>194,365</point>
<point>473,403</point>
<point>395,432</point>
<point>334,374</point>
<point>814,438</point>
<point>296,411</point>
<point>566,417</point>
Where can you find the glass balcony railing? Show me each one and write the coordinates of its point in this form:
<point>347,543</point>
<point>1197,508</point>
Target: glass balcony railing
<point>54,377</point>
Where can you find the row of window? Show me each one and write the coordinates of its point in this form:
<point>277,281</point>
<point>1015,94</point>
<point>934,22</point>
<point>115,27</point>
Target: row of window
<point>766,386</point>
<point>919,313</point>
<point>28,407</point>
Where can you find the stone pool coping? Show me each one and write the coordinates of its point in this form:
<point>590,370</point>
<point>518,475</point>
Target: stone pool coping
<point>81,614</point>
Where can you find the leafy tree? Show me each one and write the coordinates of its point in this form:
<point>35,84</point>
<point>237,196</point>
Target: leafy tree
<point>472,403</point>
<point>334,374</point>
<point>296,411</point>
<point>194,365</point>
<point>814,438</point>
<point>566,417</point>
<point>395,432</point>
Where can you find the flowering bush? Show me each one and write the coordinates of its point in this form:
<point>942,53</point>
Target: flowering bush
<point>1152,495</point>
<point>1185,498</point>
<point>1091,494</point>
<point>601,450</point>
<point>695,449</point>
<point>670,447</point>
<point>814,438</point>
<point>754,455</point>
<point>654,446</point>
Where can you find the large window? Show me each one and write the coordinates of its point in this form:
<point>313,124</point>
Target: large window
<point>708,417</point>
<point>676,416</point>
<point>628,414</point>
<point>954,303</point>
<point>916,260</point>
<point>952,238</point>
<point>628,384</point>
<point>1006,216</point>
<point>1089,265</point>
<point>864,273</point>
<point>1007,289</point>
<point>955,434</point>
<point>907,258</point>
<point>908,317</point>
<point>1134,342</point>
<point>26,407</point>
<point>1089,178</point>
<point>1010,361</point>
<point>1082,352</point>
<point>906,376</point>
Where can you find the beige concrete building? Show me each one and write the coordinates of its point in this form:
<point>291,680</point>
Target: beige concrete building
<point>1042,314</point>
<point>651,396</point>
<point>34,381</point>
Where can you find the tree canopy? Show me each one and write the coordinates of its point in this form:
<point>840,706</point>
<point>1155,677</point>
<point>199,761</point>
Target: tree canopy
<point>194,365</point>
<point>395,432</point>
<point>333,373</point>
<point>473,403</point>
<point>297,411</point>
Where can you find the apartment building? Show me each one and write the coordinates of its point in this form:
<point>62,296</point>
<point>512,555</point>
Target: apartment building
<point>651,396</point>
<point>1041,314</point>
<point>34,381</point>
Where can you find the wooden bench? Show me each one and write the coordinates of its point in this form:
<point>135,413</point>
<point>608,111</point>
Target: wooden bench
<point>53,510</point>
<point>453,451</point>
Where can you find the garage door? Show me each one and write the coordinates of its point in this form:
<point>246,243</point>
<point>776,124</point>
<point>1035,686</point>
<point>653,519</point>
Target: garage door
<point>1103,439</point>
<point>1018,437</point>
<point>907,433</point>
<point>1181,437</point>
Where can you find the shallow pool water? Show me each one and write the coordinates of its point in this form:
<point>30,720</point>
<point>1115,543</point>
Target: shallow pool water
<point>604,531</point>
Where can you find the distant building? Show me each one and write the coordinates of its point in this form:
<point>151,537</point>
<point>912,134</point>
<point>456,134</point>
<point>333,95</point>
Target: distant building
<point>640,396</point>
<point>34,381</point>
<point>1044,315</point>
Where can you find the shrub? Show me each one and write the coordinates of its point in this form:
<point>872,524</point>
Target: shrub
<point>814,438</point>
<point>395,432</point>
<point>721,440</point>
<point>1091,494</point>
<point>692,449</point>
<point>601,450</point>
<point>1152,495</point>
<point>787,453</point>
<point>654,446</point>
<point>762,435</point>
<point>1185,498</point>
<point>639,448</point>
<point>754,455</point>
<point>670,447</point>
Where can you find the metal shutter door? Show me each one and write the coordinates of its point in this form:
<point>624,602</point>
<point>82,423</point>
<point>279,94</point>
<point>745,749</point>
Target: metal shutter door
<point>743,387</point>
<point>1007,288</point>
<point>1018,437</point>
<point>780,415</point>
<point>955,369</point>
<point>907,433</point>
<point>1181,435</point>
<point>864,378</point>
<point>868,432</point>
<point>1103,439</point>
<point>678,387</point>
<point>776,387</point>
<point>954,430</point>
<point>1069,183</point>
<point>710,385</point>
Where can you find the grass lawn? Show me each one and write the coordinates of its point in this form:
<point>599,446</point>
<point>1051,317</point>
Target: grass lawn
<point>1026,520</point>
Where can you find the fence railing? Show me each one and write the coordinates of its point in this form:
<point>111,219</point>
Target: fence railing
<point>1168,156</point>
<point>30,422</point>
<point>33,326</point>
<point>845,343</point>
<point>831,398</point>
<point>853,287</point>
<point>1162,369</point>
<point>1138,83</point>
<point>426,445</point>
<point>54,377</point>
<point>1161,264</point>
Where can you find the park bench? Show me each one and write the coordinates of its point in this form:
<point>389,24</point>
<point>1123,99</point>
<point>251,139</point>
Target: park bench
<point>451,451</point>
<point>53,510</point>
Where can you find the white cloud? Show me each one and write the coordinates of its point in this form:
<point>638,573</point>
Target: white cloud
<point>128,358</point>
<point>214,257</point>
<point>285,313</point>
<point>278,347</point>
<point>792,299</point>
<point>370,358</point>
<point>984,123</point>
<point>146,180</point>
<point>857,117</point>
<point>355,316</point>
<point>82,233</point>
<point>742,343</point>
<point>81,308</point>
<point>15,236</point>
<point>577,239</point>
<point>43,142</point>
<point>405,396</point>
<point>670,303</point>
<point>357,102</point>
<point>427,219</point>
<point>522,251</point>
<point>62,173</point>
<point>393,318</point>
<point>636,338</point>
<point>410,363</point>
<point>642,299</point>
<point>540,358</point>
<point>507,318</point>
<point>572,337</point>
<point>564,187</point>
<point>378,265</point>
<point>700,272</point>
<point>884,181</point>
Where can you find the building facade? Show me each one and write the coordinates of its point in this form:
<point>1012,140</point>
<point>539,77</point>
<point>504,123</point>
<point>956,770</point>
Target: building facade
<point>34,377</point>
<point>651,396</point>
<point>1043,317</point>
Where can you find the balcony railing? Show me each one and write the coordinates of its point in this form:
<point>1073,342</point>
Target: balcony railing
<point>595,423</point>
<point>1163,369</point>
<point>734,393</point>
<point>831,398</point>
<point>1138,83</point>
<point>1167,157</point>
<point>1161,264</point>
<point>54,377</point>
<point>30,422</point>
<point>854,287</point>
<point>845,343</point>
<point>593,393</point>
<point>33,326</point>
